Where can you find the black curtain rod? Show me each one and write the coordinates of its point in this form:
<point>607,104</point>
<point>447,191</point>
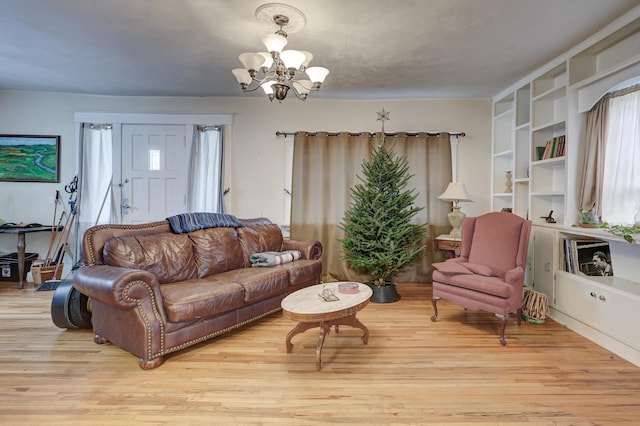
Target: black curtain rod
<point>371,134</point>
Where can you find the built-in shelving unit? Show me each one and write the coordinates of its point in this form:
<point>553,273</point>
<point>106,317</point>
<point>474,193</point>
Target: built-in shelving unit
<point>600,308</point>
<point>502,158</point>
<point>552,103</point>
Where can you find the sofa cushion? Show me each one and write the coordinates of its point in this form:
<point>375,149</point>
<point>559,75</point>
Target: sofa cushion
<point>200,298</point>
<point>479,269</point>
<point>489,285</point>
<point>216,250</point>
<point>259,238</point>
<point>451,268</point>
<point>259,283</point>
<point>168,256</point>
<point>302,271</point>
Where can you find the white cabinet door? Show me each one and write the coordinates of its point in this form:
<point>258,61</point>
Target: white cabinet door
<point>599,307</point>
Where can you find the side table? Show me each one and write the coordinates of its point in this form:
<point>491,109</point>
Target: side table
<point>21,231</point>
<point>449,245</point>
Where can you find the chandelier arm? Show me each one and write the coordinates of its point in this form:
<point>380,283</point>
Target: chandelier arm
<point>267,76</point>
<point>248,90</point>
<point>302,98</point>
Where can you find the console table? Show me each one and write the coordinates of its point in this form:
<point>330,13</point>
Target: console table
<point>21,231</point>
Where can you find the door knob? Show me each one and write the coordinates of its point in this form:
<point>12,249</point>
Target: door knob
<point>125,207</point>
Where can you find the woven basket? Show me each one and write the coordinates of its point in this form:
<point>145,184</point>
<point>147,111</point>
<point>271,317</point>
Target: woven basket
<point>535,306</point>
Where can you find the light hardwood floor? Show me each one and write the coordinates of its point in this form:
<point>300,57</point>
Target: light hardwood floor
<point>413,371</point>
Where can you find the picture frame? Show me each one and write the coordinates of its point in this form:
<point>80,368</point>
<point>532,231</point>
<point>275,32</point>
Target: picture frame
<point>29,158</point>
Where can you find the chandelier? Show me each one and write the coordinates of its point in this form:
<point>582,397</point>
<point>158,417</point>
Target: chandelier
<point>279,71</point>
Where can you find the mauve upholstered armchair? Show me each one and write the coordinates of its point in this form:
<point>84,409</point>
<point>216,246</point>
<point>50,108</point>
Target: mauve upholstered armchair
<point>489,273</point>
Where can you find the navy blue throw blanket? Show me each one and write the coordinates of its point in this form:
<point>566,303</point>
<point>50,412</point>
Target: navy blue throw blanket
<point>187,222</point>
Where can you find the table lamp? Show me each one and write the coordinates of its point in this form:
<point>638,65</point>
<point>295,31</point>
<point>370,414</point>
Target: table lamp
<point>455,192</point>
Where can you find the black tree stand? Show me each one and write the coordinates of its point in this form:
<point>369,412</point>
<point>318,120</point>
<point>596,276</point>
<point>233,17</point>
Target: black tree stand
<point>386,293</point>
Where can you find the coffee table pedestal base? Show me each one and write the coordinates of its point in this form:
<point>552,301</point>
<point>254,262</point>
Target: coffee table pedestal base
<point>325,329</point>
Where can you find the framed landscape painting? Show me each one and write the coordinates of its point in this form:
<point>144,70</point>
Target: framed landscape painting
<point>29,158</point>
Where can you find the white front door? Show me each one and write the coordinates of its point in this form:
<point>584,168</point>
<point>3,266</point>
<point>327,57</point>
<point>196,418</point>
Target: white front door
<point>154,172</point>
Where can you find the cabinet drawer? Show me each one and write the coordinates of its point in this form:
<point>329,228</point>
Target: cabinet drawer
<point>449,245</point>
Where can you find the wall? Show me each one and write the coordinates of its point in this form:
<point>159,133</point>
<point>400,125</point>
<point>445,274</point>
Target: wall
<point>254,155</point>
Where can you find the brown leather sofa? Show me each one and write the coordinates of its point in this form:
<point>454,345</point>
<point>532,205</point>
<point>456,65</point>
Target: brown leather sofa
<point>154,292</point>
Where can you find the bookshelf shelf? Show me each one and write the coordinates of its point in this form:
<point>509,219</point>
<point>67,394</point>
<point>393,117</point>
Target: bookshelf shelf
<point>610,54</point>
<point>503,153</point>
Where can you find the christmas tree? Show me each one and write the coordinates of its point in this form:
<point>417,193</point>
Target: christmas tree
<point>380,239</point>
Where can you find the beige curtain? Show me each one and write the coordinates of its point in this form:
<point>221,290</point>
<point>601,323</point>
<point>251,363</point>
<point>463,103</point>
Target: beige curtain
<point>326,166</point>
<point>593,170</point>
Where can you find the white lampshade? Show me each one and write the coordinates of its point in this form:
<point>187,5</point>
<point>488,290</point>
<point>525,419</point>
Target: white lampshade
<point>317,74</point>
<point>242,75</point>
<point>267,87</point>
<point>268,60</point>
<point>303,87</point>
<point>456,192</point>
<point>292,58</point>
<point>251,61</point>
<point>307,58</point>
<point>274,42</point>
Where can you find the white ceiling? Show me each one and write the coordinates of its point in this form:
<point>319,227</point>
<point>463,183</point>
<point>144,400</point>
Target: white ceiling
<point>378,49</point>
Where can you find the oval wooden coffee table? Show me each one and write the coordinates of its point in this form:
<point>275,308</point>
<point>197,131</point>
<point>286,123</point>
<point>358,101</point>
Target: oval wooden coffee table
<point>310,310</point>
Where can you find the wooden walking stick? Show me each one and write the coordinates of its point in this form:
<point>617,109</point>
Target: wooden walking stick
<point>64,245</point>
<point>51,256</point>
<point>53,227</point>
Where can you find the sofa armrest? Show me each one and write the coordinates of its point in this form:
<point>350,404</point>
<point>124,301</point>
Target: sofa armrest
<point>118,287</point>
<point>310,249</point>
<point>514,276</point>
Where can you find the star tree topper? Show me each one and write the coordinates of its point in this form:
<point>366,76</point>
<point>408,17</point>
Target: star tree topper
<point>383,116</point>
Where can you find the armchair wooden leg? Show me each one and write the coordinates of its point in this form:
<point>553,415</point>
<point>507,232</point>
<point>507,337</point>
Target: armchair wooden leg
<point>504,319</point>
<point>519,313</point>
<point>434,301</point>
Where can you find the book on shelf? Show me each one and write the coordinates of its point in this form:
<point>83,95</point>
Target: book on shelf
<point>560,148</point>
<point>588,256</point>
<point>554,147</point>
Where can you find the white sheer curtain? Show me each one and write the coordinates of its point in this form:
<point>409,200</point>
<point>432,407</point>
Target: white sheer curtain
<point>621,182</point>
<point>205,170</point>
<point>96,203</point>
